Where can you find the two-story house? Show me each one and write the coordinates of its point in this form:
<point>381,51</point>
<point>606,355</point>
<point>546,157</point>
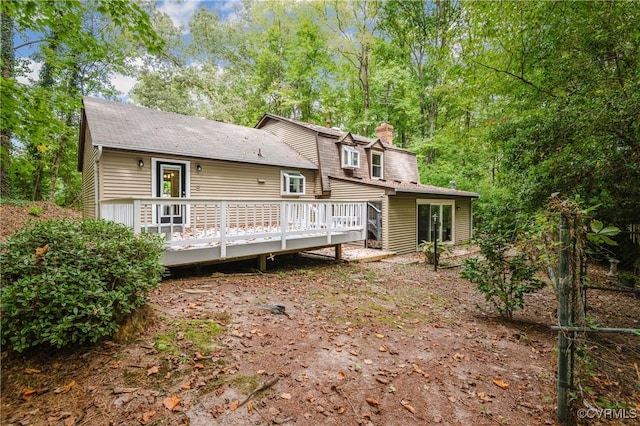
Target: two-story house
<point>219,191</point>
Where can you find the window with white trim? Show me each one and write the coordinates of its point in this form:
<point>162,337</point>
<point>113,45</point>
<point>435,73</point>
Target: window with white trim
<point>376,165</point>
<point>293,183</point>
<point>350,157</point>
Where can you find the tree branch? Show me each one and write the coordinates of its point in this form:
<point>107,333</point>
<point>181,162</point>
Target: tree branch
<point>517,77</point>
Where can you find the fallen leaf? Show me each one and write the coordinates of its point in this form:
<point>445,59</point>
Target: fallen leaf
<point>341,375</point>
<point>373,402</point>
<point>27,393</point>
<point>379,336</point>
<point>234,405</point>
<point>285,396</point>
<point>382,380</point>
<point>198,356</point>
<point>500,383</point>
<point>146,416</point>
<point>261,372</point>
<point>250,407</point>
<point>31,371</point>
<point>186,385</point>
<point>368,361</point>
<point>483,396</point>
<point>198,366</point>
<point>452,399</point>
<point>70,421</point>
<point>66,388</point>
<point>171,402</point>
<point>458,357</point>
<point>153,370</point>
<point>408,406</point>
<point>340,410</point>
<point>382,348</point>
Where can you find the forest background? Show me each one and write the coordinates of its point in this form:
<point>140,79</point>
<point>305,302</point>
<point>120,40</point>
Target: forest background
<point>514,100</point>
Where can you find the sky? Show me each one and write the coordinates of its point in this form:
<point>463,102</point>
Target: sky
<point>180,12</point>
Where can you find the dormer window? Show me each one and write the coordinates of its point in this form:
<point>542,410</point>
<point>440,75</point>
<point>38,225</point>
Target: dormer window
<point>350,158</point>
<point>292,183</point>
<point>376,165</point>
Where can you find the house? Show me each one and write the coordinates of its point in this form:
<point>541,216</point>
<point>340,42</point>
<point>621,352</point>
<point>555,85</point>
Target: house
<point>357,168</point>
<point>219,191</point>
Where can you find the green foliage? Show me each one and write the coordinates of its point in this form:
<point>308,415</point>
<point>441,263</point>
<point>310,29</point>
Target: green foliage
<point>69,282</point>
<point>601,234</point>
<point>503,274</point>
<point>428,249</point>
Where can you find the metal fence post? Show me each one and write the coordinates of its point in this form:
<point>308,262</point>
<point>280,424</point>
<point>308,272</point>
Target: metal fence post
<point>563,290</point>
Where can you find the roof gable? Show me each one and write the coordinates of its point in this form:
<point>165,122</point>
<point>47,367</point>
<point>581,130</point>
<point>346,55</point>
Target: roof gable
<point>120,126</point>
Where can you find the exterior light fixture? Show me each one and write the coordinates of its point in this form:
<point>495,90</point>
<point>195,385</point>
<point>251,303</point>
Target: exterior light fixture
<point>140,162</point>
<point>198,167</point>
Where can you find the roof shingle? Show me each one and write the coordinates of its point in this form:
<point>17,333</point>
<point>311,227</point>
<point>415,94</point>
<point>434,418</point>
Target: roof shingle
<point>128,127</point>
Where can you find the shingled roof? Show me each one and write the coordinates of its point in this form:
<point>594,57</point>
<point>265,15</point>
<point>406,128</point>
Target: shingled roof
<point>400,169</point>
<point>127,127</point>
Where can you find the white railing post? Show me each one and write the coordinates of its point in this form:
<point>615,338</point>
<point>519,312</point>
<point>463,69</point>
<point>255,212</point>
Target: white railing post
<point>136,216</point>
<point>329,218</point>
<point>363,220</point>
<point>223,229</point>
<point>284,223</point>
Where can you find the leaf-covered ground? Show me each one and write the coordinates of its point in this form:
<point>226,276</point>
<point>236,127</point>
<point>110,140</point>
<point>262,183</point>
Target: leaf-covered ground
<point>384,343</point>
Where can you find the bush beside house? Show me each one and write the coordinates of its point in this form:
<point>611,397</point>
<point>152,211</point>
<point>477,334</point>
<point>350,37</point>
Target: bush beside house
<point>70,282</point>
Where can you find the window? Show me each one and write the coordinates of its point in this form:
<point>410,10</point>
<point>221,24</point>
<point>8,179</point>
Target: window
<point>350,157</point>
<point>446,220</point>
<point>292,183</point>
<point>376,165</point>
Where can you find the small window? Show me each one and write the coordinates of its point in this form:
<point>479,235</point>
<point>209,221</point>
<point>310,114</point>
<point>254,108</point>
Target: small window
<point>376,165</point>
<point>350,157</point>
<point>293,183</point>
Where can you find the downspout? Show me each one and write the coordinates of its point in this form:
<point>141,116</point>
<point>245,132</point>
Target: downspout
<point>96,184</point>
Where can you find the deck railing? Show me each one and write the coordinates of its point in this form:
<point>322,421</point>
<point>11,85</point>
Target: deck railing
<point>192,223</point>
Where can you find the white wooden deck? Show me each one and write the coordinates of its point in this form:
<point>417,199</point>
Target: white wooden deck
<point>205,230</point>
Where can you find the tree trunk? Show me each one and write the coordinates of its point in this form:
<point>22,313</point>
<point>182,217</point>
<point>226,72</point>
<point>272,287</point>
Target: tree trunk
<point>7,58</point>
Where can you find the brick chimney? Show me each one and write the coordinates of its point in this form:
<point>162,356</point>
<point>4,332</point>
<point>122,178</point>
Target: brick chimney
<point>384,132</point>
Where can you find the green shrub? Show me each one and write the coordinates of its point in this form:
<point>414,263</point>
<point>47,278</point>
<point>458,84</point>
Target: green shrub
<point>73,282</point>
<point>503,275</point>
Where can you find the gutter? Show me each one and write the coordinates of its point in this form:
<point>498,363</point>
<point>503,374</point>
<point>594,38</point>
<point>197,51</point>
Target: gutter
<point>96,185</point>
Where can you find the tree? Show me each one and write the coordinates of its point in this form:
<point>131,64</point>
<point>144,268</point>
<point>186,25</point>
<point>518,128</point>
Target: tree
<point>568,99</point>
<point>79,45</point>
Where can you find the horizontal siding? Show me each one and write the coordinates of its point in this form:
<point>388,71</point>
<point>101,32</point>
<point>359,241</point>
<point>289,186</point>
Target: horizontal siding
<point>341,190</point>
<point>463,220</point>
<point>122,177</point>
<point>401,225</point>
<point>236,180</point>
<point>300,139</point>
<point>88,178</point>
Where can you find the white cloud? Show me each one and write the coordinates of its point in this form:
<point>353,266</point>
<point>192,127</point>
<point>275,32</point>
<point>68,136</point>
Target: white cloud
<point>123,83</point>
<point>34,71</point>
<point>180,12</point>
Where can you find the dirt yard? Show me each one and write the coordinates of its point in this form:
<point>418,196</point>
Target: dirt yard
<point>318,342</point>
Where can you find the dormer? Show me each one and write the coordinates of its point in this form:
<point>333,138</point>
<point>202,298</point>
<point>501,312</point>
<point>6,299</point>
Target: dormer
<point>375,152</point>
<point>349,155</point>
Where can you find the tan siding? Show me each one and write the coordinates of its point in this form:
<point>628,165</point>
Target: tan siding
<point>88,178</point>
<point>236,180</point>
<point>463,220</point>
<point>401,225</point>
<point>341,190</point>
<point>302,140</point>
<point>121,177</point>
